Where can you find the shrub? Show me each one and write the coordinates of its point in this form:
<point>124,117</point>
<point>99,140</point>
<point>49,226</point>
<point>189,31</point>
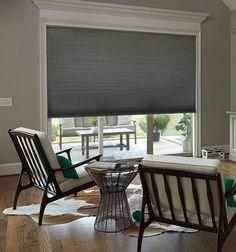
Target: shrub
<point>185,126</point>
<point>55,129</point>
<point>160,122</point>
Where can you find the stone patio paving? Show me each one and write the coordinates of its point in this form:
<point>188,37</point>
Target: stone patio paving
<point>166,145</point>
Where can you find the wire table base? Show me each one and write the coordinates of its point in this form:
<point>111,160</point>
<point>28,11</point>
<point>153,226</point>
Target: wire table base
<point>113,212</point>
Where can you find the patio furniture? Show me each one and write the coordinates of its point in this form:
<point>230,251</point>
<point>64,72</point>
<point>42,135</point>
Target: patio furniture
<point>85,134</point>
<point>113,212</point>
<point>69,125</point>
<point>186,192</point>
<point>42,169</point>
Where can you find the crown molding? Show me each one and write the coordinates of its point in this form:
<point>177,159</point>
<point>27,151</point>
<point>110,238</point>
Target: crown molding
<point>120,10</point>
<point>231,4</point>
<point>233,29</point>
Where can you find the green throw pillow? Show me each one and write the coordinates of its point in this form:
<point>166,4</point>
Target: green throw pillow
<point>65,163</point>
<point>228,186</point>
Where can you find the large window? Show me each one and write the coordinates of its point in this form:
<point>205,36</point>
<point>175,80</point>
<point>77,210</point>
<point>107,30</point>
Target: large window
<point>57,74</point>
<point>98,75</point>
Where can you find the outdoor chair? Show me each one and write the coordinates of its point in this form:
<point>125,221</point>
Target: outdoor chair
<point>40,165</point>
<point>188,192</point>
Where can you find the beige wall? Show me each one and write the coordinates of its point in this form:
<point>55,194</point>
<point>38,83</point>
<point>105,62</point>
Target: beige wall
<point>233,60</point>
<point>19,66</point>
<point>19,70</point>
<point>233,19</point>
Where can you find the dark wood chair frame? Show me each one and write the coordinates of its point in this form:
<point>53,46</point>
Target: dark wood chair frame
<point>47,182</point>
<point>223,228</point>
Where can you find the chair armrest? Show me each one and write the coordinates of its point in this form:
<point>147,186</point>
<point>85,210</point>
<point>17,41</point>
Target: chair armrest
<point>67,151</point>
<point>231,193</point>
<point>133,121</point>
<point>97,158</point>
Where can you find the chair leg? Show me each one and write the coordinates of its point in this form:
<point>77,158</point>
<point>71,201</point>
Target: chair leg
<point>219,243</point>
<point>20,188</point>
<point>219,247</point>
<point>140,238</point>
<point>42,208</point>
<point>44,203</point>
<point>142,226</point>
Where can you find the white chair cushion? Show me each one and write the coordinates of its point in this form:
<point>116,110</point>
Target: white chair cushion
<point>206,219</point>
<point>230,213</point>
<point>186,164</point>
<point>124,120</point>
<point>84,178</point>
<point>183,163</point>
<point>68,122</point>
<point>47,149</point>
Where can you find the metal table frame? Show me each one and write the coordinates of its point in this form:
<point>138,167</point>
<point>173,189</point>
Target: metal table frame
<point>113,212</point>
<point>85,134</point>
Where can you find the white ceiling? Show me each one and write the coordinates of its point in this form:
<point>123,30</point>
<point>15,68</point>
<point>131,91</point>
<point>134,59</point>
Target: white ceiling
<point>231,4</point>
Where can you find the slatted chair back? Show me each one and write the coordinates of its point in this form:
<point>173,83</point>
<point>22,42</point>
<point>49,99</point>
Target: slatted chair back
<point>186,192</point>
<point>185,196</point>
<point>37,158</point>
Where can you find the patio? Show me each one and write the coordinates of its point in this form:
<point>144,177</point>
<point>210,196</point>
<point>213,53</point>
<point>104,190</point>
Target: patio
<point>166,145</point>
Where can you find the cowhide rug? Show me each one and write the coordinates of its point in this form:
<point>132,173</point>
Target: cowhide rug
<point>85,204</point>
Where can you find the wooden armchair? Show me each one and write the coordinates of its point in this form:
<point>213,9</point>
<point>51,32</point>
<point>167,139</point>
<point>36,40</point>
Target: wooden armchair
<point>186,192</point>
<point>41,167</point>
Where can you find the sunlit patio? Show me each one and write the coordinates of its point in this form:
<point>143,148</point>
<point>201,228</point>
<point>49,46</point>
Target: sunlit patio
<point>166,145</point>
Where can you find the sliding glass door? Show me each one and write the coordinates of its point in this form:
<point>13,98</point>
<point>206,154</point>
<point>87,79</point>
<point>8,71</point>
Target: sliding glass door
<point>124,137</point>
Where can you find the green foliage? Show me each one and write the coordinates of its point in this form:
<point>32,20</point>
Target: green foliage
<point>143,124</point>
<point>93,120</point>
<point>160,122</point>
<point>55,129</point>
<point>185,126</point>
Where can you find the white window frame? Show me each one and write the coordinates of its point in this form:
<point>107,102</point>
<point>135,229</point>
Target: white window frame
<point>119,17</point>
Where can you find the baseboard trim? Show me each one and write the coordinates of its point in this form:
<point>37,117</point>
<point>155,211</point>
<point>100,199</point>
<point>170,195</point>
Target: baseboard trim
<point>232,157</point>
<point>10,169</point>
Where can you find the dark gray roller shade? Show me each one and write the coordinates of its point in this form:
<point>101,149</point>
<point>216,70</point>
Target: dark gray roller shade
<point>107,72</point>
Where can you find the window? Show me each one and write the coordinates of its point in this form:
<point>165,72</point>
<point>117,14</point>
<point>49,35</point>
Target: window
<point>124,137</point>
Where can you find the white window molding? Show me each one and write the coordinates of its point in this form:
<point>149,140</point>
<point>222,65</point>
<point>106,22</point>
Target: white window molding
<point>125,17</point>
<point>118,17</point>
<point>231,4</point>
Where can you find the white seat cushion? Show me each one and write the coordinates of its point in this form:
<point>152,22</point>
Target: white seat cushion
<point>183,163</point>
<point>209,166</point>
<point>84,178</point>
<point>192,218</point>
<point>47,149</point>
<point>230,213</point>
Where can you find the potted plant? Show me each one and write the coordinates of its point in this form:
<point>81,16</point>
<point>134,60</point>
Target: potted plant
<point>185,127</point>
<point>160,122</point>
<point>93,120</point>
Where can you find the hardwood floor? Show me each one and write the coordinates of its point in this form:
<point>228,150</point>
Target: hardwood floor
<point>21,233</point>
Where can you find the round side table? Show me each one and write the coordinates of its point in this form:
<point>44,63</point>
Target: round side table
<point>113,212</point>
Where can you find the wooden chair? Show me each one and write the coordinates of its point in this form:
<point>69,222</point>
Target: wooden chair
<point>186,192</point>
<point>40,165</point>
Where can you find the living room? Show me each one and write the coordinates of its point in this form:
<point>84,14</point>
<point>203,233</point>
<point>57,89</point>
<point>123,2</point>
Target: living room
<point>23,78</point>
